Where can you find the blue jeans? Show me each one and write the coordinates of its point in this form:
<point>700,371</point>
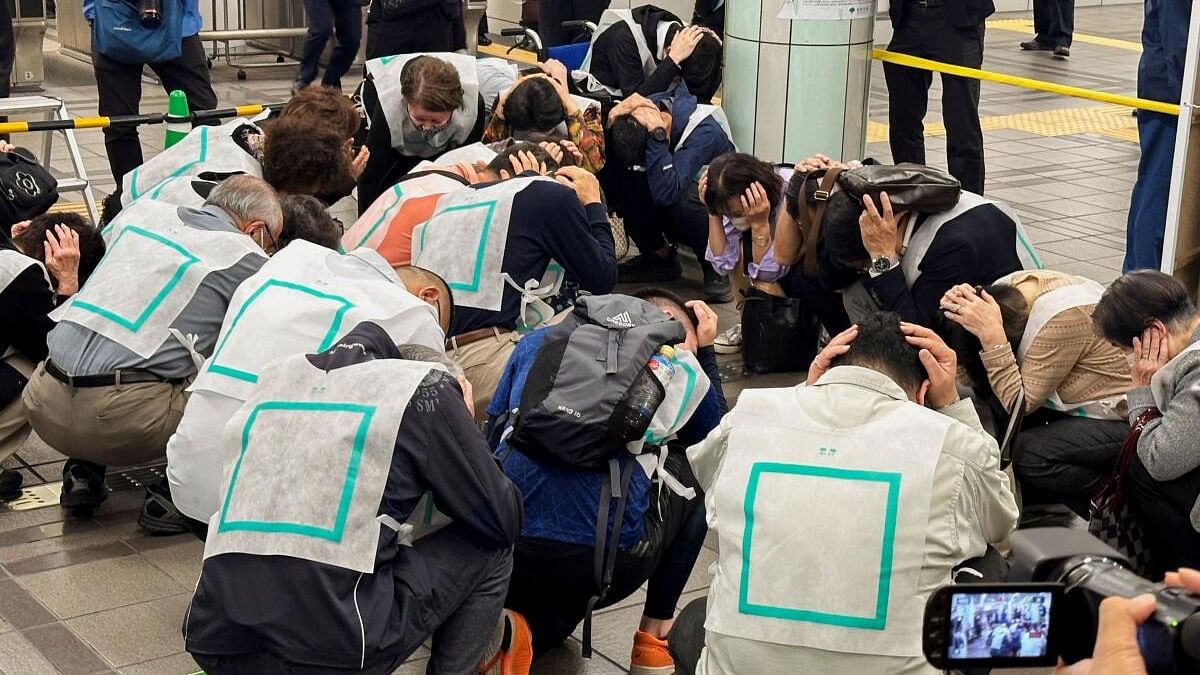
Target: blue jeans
<point>1148,204</point>
<point>326,18</point>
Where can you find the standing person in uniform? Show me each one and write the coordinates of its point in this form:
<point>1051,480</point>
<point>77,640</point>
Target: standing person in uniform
<point>1053,24</point>
<point>341,18</point>
<point>411,26</point>
<point>8,54</point>
<point>1160,78</point>
<point>119,85</point>
<point>951,33</point>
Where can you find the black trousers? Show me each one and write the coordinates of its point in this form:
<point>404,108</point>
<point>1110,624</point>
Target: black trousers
<point>431,30</point>
<point>926,34</point>
<point>651,226</point>
<point>1054,21</point>
<point>327,18</point>
<point>1060,459</point>
<point>551,14</point>
<point>120,89</point>
<point>1163,509</point>
<point>826,304</point>
<point>8,54</point>
<point>552,581</point>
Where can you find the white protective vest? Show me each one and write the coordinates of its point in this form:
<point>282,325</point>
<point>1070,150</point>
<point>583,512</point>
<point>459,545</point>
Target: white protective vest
<point>703,112</point>
<point>303,422</point>
<point>371,228</point>
<point>1047,306</point>
<point>12,264</point>
<point>152,269</point>
<point>204,149</point>
<point>1163,382</point>
<point>464,243</point>
<point>385,73</point>
<point>822,533</point>
<point>609,18</point>
<point>920,240</point>
<point>300,302</point>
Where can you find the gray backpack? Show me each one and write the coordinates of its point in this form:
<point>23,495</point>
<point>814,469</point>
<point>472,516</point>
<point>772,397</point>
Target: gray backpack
<point>571,413</point>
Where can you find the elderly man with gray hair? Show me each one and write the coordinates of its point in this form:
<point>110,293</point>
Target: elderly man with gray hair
<point>129,342</point>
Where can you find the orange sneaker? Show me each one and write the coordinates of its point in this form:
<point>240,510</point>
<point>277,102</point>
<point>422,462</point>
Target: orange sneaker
<point>511,651</point>
<point>650,656</point>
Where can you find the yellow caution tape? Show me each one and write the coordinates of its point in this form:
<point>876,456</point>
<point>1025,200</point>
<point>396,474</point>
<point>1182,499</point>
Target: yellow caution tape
<point>1024,82</point>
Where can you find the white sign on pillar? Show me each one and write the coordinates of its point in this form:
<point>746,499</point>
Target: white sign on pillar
<point>794,88</point>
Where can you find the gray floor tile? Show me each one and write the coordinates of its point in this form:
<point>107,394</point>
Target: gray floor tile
<point>177,664</point>
<point>181,561</point>
<point>567,659</point>
<point>19,657</point>
<point>19,609</point>
<point>1078,249</point>
<point>101,585</point>
<point>136,633</point>
<point>63,649</point>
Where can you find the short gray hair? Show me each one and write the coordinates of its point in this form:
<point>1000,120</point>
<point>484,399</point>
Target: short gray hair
<point>247,199</point>
<point>417,352</point>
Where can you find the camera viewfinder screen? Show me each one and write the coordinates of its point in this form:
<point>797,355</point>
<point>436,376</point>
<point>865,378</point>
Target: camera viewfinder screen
<point>999,625</point>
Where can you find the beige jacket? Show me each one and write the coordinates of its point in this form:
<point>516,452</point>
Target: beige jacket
<point>971,506</point>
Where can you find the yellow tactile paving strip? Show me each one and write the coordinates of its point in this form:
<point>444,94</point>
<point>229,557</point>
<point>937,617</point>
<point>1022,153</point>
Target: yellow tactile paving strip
<point>1026,26</point>
<point>1111,121</point>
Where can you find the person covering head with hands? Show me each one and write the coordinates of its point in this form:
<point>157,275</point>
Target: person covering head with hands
<point>1151,317</point>
<point>1028,347</point>
<point>542,104</point>
<point>813,463</point>
<point>538,229</point>
<point>882,258</point>
<point>657,147</point>
<point>135,349</point>
<point>67,249</point>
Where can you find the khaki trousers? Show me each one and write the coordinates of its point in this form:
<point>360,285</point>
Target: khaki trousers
<point>119,425</point>
<point>483,363</point>
<point>14,427</point>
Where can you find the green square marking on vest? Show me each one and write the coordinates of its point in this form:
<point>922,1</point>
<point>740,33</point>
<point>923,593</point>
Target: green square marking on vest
<point>889,482</point>
<point>356,415</point>
<point>130,318</point>
<point>470,285</point>
<point>281,292</point>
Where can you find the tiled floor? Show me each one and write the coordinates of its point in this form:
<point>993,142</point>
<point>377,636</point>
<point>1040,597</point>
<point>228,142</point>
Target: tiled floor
<point>96,595</point>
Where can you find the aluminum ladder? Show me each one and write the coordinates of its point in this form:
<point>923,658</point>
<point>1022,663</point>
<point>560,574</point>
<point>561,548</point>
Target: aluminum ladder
<point>55,109</point>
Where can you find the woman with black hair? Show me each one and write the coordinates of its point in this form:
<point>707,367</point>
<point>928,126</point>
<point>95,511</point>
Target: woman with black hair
<point>1027,346</point>
<point>1150,315</point>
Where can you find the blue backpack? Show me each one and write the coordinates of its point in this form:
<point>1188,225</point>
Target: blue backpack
<point>118,33</point>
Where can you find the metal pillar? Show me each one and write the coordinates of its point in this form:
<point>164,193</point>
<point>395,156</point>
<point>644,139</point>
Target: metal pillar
<point>794,88</point>
<point>1181,238</point>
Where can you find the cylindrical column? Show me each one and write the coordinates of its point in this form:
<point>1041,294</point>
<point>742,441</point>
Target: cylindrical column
<point>796,87</point>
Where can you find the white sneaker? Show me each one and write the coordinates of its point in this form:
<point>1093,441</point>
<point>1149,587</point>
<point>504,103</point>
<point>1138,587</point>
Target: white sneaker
<point>729,342</point>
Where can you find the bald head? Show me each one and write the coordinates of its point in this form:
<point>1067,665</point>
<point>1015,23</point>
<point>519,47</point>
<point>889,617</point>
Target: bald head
<point>431,288</point>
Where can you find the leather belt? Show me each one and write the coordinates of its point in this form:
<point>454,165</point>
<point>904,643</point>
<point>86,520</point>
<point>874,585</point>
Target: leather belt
<point>925,4</point>
<point>126,376</point>
<point>473,336</point>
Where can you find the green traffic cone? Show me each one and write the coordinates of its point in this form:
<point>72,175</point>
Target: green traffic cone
<point>177,106</point>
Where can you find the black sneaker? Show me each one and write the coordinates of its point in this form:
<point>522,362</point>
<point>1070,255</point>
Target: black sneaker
<point>649,267</point>
<point>718,290</point>
<point>159,517</point>
<point>1036,45</point>
<point>83,488</point>
<point>10,485</point>
<point>1062,53</point>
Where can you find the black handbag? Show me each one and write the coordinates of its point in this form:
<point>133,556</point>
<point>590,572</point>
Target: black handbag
<point>910,187</point>
<point>1110,519</point>
<point>27,189</point>
<point>779,335</point>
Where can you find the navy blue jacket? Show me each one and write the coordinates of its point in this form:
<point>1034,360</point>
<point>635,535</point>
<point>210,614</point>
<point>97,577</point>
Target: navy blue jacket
<point>1164,48</point>
<point>670,165</point>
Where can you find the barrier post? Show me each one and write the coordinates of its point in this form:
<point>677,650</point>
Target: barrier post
<point>177,106</point>
<point>797,86</point>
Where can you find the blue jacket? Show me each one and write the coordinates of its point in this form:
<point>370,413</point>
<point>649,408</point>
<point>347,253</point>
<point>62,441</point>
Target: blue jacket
<point>672,166</point>
<point>191,15</point>
<point>560,504</point>
<point>1164,48</point>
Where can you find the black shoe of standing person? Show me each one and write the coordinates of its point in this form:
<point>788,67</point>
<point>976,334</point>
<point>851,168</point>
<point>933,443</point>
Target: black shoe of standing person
<point>83,487</point>
<point>159,517</point>
<point>1062,53</point>
<point>10,485</point>
<point>1036,45</point>
<point>648,267</point>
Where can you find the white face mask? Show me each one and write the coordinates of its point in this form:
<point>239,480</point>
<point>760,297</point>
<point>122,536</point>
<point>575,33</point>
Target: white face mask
<point>741,223</point>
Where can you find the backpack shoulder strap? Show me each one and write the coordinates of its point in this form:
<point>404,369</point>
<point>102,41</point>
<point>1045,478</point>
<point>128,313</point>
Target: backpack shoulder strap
<point>608,540</point>
<point>813,215</point>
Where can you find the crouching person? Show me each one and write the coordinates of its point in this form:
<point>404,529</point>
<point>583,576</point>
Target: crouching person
<point>840,505</point>
<point>351,573</point>
<point>552,422</point>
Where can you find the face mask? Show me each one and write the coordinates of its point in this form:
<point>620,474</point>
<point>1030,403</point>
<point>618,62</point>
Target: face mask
<point>741,223</point>
<point>429,133</point>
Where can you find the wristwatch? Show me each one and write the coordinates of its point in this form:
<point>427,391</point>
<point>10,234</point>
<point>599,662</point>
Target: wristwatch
<point>659,134</point>
<point>882,264</point>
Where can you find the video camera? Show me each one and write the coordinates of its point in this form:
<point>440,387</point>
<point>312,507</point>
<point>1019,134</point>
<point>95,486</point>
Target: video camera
<point>1048,609</point>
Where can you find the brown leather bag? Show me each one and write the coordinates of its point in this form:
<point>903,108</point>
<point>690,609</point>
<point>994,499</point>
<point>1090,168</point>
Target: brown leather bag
<point>807,214</point>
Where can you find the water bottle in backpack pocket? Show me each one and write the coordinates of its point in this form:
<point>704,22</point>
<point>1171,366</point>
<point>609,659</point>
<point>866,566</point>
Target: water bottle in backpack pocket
<point>636,410</point>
